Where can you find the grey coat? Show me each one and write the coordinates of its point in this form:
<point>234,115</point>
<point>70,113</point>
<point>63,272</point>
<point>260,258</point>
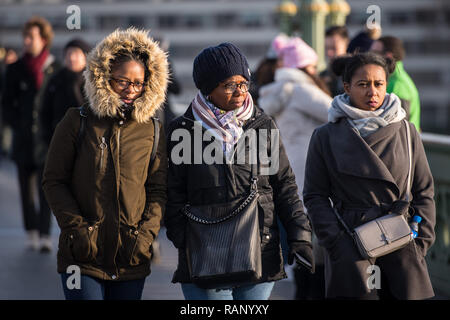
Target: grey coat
<point>359,173</point>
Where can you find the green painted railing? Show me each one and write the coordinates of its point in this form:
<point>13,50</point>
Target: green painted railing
<point>437,148</point>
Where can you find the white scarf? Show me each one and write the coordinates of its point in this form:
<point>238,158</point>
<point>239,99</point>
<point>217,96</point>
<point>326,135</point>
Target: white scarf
<point>367,122</point>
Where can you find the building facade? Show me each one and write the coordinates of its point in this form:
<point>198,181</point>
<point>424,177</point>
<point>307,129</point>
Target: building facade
<point>190,25</point>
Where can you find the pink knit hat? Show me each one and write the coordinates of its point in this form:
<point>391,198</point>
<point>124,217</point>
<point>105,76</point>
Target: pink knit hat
<point>298,54</point>
<point>279,43</point>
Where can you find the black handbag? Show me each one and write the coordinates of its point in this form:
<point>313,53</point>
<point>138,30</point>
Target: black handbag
<point>223,244</point>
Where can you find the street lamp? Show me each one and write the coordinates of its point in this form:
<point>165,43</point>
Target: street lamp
<point>339,10</point>
<point>312,21</point>
<point>286,10</point>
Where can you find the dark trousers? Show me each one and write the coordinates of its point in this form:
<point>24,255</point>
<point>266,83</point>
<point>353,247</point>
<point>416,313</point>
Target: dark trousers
<point>310,286</point>
<point>35,217</point>
<point>96,289</point>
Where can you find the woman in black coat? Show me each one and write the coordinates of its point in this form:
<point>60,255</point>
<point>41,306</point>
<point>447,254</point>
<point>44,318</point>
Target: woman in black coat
<point>224,105</point>
<point>359,161</point>
<point>64,90</point>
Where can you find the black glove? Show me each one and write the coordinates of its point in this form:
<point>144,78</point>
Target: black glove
<point>305,250</point>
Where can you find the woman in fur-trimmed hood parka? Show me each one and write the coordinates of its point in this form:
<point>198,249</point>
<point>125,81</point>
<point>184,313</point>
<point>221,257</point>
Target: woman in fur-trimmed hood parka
<point>106,190</point>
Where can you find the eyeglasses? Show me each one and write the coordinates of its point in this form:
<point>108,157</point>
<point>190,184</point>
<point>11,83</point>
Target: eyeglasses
<point>232,86</point>
<point>124,84</point>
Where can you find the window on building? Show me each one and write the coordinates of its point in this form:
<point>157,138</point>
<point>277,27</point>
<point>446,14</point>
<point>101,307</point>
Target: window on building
<point>168,21</point>
<point>400,17</point>
<point>112,22</point>
<point>226,20</point>
<point>137,21</point>
<point>426,77</point>
<point>426,17</point>
<point>251,20</point>
<point>194,21</point>
<point>184,50</point>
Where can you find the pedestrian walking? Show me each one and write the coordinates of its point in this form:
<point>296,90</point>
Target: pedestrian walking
<point>25,81</point>
<point>299,101</point>
<point>224,108</point>
<point>359,161</point>
<point>400,82</point>
<point>105,187</point>
<point>64,90</point>
<point>7,57</point>
<point>336,42</point>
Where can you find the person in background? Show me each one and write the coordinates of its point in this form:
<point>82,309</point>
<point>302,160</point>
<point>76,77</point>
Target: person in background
<point>25,81</point>
<point>298,100</point>
<point>336,43</point>
<point>167,114</point>
<point>363,40</point>
<point>223,104</point>
<point>64,91</point>
<point>265,71</point>
<point>7,57</point>
<point>108,195</point>
<point>400,82</point>
<point>357,164</point>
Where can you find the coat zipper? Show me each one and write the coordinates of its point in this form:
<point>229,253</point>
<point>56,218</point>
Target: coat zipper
<point>102,146</point>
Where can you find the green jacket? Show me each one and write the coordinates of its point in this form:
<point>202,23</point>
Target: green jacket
<point>402,85</point>
<point>107,198</point>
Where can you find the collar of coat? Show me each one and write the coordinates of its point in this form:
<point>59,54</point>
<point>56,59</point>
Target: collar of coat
<point>355,157</point>
<point>103,101</point>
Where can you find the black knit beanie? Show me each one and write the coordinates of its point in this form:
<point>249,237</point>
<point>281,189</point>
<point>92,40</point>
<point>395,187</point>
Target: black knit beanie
<point>78,43</point>
<point>215,64</point>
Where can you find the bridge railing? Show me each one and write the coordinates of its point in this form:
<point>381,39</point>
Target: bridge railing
<point>437,148</point>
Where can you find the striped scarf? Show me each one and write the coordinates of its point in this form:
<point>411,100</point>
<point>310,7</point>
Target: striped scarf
<point>225,125</point>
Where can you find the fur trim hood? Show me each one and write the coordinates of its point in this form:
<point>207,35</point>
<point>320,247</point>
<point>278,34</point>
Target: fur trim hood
<point>103,101</point>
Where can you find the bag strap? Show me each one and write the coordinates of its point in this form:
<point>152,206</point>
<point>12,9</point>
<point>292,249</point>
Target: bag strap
<point>408,182</point>
<point>342,222</point>
<point>253,192</point>
<point>156,126</point>
<point>83,120</point>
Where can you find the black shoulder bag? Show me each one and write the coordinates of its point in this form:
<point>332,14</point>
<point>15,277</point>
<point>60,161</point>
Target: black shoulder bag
<point>223,243</point>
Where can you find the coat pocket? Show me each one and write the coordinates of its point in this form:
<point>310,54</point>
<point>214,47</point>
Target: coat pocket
<point>135,246</point>
<point>80,243</point>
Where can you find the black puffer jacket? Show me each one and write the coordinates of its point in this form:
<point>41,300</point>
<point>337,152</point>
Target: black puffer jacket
<point>202,184</point>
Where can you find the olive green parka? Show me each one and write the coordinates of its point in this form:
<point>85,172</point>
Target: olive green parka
<point>107,197</point>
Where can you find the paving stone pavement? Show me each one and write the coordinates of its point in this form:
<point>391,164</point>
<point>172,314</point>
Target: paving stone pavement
<point>31,275</point>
